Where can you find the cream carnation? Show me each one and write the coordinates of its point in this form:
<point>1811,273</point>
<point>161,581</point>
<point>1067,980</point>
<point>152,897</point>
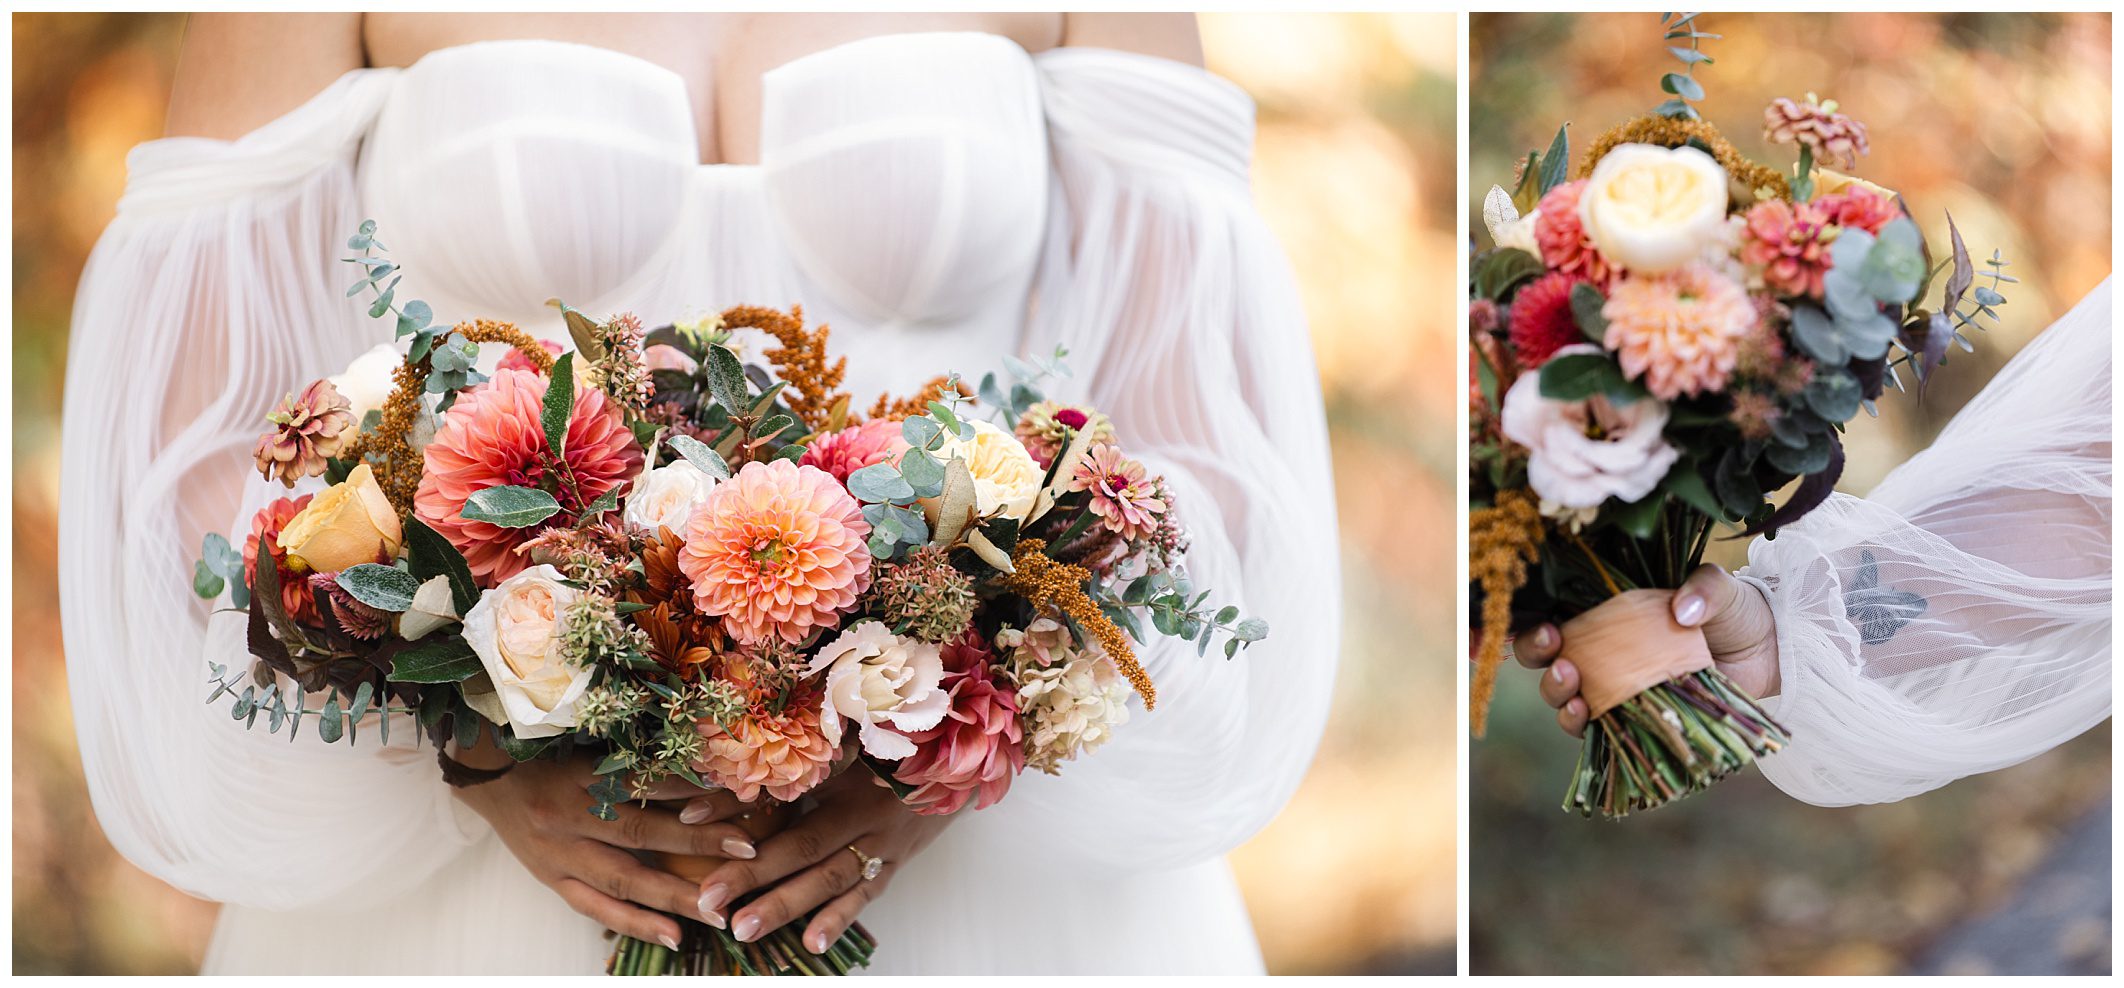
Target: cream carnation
<point>883,682</point>
<point>1069,700</point>
<point>515,629</point>
<point>1652,209</point>
<point>666,496</point>
<point>1583,452</point>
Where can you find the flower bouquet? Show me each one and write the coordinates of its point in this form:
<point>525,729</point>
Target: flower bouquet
<point>700,566</point>
<point>1661,338</point>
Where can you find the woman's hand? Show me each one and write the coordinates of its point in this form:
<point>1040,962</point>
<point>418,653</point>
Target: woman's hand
<point>809,863</point>
<point>1737,626</point>
<point>541,809</point>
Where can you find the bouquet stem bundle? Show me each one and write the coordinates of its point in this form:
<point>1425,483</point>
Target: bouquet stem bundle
<point>704,949</point>
<point>1667,742</point>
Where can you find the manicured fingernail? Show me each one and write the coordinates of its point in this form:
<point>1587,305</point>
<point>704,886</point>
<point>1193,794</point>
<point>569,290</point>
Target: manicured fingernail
<point>1689,610</point>
<point>1556,672</point>
<point>817,942</point>
<point>738,847</point>
<point>697,812</point>
<point>669,944</point>
<point>1544,636</point>
<point>712,918</point>
<point>746,929</point>
<point>713,897</point>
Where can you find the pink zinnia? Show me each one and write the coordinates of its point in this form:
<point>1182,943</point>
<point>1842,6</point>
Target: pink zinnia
<point>858,446</point>
<point>1681,331</point>
<point>1562,235</point>
<point>265,529</point>
<point>1858,207</point>
<point>492,438</point>
<point>778,549</point>
<point>1121,495</point>
<point>978,748</point>
<point>1790,243</point>
<point>783,754</point>
<point>1542,322</point>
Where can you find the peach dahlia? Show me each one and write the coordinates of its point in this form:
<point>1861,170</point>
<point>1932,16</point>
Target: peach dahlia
<point>778,549</point>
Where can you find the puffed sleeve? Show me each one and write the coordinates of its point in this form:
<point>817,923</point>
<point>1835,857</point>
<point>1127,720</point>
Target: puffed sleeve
<point>1183,324</point>
<point>216,290</point>
<point>1956,620</point>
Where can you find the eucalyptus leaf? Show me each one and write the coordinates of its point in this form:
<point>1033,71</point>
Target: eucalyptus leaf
<point>880,483</point>
<point>510,507</point>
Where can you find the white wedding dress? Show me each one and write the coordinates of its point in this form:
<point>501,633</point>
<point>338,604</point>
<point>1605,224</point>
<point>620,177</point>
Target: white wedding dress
<point>941,200</point>
<point>1956,620</point>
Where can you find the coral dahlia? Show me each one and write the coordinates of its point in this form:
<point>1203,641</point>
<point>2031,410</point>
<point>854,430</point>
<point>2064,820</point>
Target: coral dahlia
<point>1790,243</point>
<point>778,549</point>
<point>783,754</point>
<point>265,528</point>
<point>1858,207</point>
<point>1562,237</point>
<point>1680,331</point>
<point>1542,322</point>
<point>978,748</point>
<point>858,446</point>
<point>492,438</point>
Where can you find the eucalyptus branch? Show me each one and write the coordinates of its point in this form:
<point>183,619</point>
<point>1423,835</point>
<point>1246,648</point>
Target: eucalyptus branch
<point>1683,85</point>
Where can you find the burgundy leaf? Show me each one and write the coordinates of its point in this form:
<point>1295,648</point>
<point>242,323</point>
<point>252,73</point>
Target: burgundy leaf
<point>1941,330</point>
<point>1809,495</point>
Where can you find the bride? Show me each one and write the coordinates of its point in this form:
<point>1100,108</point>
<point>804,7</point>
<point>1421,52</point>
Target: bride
<point>958,186</point>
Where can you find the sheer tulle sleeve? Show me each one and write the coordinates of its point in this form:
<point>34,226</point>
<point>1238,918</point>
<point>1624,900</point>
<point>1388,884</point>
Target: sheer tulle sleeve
<point>1184,324</point>
<point>1956,620</point>
<point>214,291</point>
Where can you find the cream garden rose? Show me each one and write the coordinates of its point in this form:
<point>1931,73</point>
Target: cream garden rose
<point>1828,182</point>
<point>349,524</point>
<point>368,381</point>
<point>1653,209</point>
<point>516,629</point>
<point>1006,478</point>
<point>666,496</point>
<point>883,682</point>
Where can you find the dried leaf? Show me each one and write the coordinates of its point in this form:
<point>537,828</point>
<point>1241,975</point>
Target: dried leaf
<point>989,553</point>
<point>950,512</point>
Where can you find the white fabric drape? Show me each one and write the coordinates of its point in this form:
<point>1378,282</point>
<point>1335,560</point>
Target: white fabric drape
<point>2002,528</point>
<point>217,289</point>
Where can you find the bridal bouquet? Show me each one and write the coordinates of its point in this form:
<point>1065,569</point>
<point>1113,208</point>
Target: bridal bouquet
<point>700,565</point>
<point>1662,338</point>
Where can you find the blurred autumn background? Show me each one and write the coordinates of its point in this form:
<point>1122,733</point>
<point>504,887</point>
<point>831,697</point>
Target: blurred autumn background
<point>2004,121</point>
<point>1354,169</point>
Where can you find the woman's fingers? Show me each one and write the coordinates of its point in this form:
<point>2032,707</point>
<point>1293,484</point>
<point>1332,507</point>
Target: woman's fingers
<point>1560,683</point>
<point>622,876</point>
<point>807,842</point>
<point>618,916</point>
<point>1572,717</point>
<point>1707,593</point>
<point>1537,647</point>
<point>791,899</point>
<point>649,829</point>
<point>841,913</point>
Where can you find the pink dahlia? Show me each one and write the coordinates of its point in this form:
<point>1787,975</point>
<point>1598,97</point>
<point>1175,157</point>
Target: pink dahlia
<point>1790,243</point>
<point>514,359</point>
<point>265,528</point>
<point>781,753</point>
<point>1681,331</point>
<point>492,438</point>
<point>978,747</point>
<point>1858,207</point>
<point>858,446</point>
<point>1542,322</point>
<point>1129,502</point>
<point>1562,235</point>
<point>778,549</point>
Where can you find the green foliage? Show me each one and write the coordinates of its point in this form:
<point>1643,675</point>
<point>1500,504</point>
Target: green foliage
<point>220,567</point>
<point>1579,376</point>
<point>1682,86</point>
<point>694,451</point>
<point>1586,305</point>
<point>386,588</point>
<point>1556,165</point>
<point>1498,272</point>
<point>559,404</point>
<point>441,660</point>
<point>430,555</point>
<point>510,506</point>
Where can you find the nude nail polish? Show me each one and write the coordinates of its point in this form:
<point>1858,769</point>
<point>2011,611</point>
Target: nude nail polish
<point>746,929</point>
<point>739,848</point>
<point>695,813</point>
<point>1689,611</point>
<point>713,897</point>
<point>817,943</point>
<point>669,944</point>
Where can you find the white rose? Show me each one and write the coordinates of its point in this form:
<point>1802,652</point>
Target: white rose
<point>1569,468</point>
<point>1653,209</point>
<point>877,678</point>
<point>666,496</point>
<point>367,382</point>
<point>1006,478</point>
<point>515,629</point>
